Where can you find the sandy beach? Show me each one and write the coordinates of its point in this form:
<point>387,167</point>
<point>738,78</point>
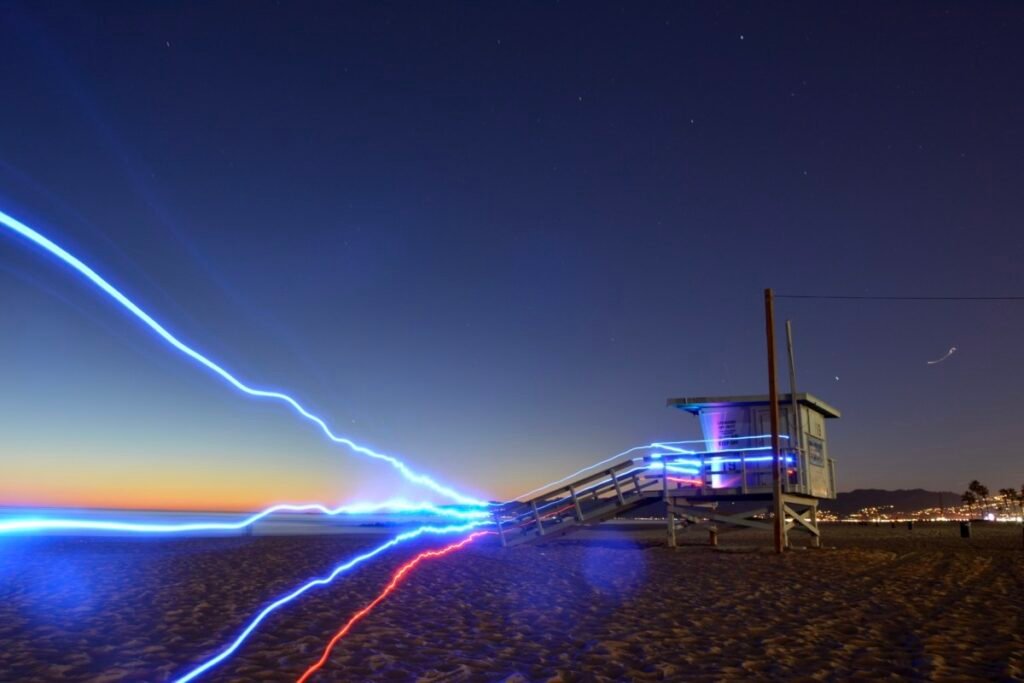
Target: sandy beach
<point>603,605</point>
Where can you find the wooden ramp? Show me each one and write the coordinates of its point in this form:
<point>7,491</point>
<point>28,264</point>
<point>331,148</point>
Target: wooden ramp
<point>595,498</point>
<point>631,484</point>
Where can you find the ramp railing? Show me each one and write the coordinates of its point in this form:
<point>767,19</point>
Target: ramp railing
<point>587,500</point>
<point>631,482</point>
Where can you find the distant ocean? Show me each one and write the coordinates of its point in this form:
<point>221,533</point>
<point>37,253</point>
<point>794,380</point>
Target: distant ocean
<point>276,524</point>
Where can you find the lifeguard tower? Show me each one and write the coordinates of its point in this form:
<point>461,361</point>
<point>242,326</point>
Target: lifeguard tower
<point>735,464</point>
<point>722,480</point>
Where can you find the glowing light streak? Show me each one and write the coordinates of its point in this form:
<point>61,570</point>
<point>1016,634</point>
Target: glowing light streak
<point>732,450</point>
<point>756,458</point>
<point>31,524</point>
<point>709,468</point>
<point>732,438</point>
<point>111,291</point>
<point>676,461</point>
<point>693,462</point>
<point>546,515</point>
<point>759,458</point>
<point>323,581</point>
<point>676,468</point>
<point>579,472</point>
<point>664,445</point>
<point>692,482</point>
<point>583,492</point>
<point>949,353</point>
<point>716,457</point>
<point>396,579</point>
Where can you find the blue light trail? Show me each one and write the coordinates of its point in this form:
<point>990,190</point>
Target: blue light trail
<point>720,460</point>
<point>15,525</point>
<point>579,472</point>
<point>340,569</point>
<point>664,445</point>
<point>56,250</point>
<point>583,492</point>
<point>679,470</point>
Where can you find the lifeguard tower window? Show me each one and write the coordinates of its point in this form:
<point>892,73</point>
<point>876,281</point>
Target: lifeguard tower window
<point>737,456</point>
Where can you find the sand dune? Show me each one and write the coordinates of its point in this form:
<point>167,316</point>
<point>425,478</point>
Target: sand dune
<point>607,606</point>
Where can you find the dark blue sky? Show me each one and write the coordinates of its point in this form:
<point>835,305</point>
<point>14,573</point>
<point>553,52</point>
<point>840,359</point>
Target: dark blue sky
<point>495,238</point>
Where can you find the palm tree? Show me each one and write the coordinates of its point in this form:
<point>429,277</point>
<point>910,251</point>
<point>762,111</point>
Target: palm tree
<point>1013,502</point>
<point>970,500</point>
<point>1011,497</point>
<point>1018,496</point>
<point>981,493</point>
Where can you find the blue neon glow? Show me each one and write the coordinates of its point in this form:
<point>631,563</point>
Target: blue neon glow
<point>675,465</point>
<point>731,438</point>
<point>668,445</point>
<point>665,445</point>
<point>579,472</point>
<point>340,569</point>
<point>111,291</point>
<point>736,450</point>
<point>30,524</point>
<point>673,449</point>
<point>757,458</point>
<point>682,470</point>
<point>587,490</point>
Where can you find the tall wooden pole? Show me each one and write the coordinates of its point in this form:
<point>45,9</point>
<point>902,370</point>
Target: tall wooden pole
<point>796,438</point>
<point>796,431</point>
<point>773,404</point>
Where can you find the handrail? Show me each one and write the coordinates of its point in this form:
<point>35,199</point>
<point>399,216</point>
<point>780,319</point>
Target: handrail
<point>577,483</point>
<point>532,512</point>
<point>747,466</point>
<point>560,492</point>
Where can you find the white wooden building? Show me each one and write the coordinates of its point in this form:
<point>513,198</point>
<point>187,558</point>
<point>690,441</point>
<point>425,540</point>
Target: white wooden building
<point>734,465</point>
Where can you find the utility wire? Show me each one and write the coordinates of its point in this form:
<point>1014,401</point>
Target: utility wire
<point>901,298</point>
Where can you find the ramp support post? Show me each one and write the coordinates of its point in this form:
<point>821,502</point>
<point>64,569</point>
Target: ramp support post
<point>576,503</point>
<point>670,517</point>
<point>816,538</point>
<point>536,516</point>
<point>501,532</point>
<point>618,489</point>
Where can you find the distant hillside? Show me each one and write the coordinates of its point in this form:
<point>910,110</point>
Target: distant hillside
<point>902,500</point>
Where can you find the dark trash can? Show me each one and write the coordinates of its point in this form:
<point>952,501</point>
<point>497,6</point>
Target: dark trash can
<point>965,529</point>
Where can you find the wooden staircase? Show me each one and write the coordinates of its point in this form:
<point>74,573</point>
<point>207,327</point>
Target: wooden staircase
<point>693,500</point>
<point>589,500</point>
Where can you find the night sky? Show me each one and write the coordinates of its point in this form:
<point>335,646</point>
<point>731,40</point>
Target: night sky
<point>494,238</point>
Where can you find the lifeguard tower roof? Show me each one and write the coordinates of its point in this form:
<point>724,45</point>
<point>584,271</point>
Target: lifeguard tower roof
<point>697,403</point>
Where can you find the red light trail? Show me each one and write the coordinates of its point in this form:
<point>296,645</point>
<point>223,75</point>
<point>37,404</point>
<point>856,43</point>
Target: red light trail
<point>545,516</point>
<point>396,580</point>
<point>692,482</point>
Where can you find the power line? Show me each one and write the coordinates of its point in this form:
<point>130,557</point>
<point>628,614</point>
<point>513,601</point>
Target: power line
<point>900,298</point>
